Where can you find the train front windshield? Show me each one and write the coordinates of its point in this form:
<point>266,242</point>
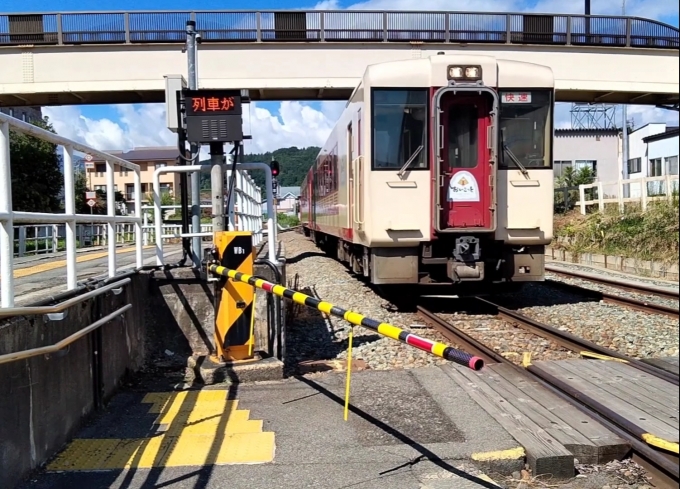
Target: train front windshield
<point>525,128</point>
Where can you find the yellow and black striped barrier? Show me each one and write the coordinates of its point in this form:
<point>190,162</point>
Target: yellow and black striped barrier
<point>384,329</point>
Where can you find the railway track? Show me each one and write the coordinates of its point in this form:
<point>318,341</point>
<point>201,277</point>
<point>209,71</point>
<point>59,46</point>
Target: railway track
<point>663,466</point>
<point>644,306</point>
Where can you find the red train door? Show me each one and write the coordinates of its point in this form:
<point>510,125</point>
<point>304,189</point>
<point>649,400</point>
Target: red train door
<point>466,166</point>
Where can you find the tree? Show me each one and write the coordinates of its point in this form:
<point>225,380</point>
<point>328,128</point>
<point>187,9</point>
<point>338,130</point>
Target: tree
<point>572,179</point>
<point>80,186</point>
<point>36,176</point>
<point>295,163</point>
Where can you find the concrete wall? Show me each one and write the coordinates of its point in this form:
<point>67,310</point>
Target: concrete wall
<point>46,398</point>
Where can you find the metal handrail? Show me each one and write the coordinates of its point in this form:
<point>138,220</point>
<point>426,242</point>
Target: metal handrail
<point>166,26</point>
<point>44,350</point>
<point>36,310</point>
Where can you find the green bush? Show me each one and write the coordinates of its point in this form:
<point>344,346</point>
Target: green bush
<point>287,221</point>
<point>650,235</point>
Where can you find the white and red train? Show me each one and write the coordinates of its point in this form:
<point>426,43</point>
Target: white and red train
<point>439,171</point>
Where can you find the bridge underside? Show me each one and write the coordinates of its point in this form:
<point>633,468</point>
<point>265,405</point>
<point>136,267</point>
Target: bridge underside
<point>115,74</point>
<point>302,94</point>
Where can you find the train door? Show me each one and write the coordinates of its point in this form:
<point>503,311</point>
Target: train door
<point>350,180</point>
<point>466,160</point>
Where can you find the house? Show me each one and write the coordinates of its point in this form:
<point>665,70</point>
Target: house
<point>599,149</point>
<point>148,159</point>
<point>653,152</point>
<point>286,202</point>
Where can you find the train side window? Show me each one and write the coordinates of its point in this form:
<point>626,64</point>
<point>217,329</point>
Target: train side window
<point>399,127</point>
<point>526,128</point>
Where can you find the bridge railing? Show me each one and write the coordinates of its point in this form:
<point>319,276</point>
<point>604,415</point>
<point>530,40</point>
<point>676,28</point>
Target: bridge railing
<point>9,216</point>
<point>336,26</point>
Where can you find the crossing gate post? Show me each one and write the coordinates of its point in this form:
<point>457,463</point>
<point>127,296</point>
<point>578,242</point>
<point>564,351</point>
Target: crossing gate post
<point>235,301</point>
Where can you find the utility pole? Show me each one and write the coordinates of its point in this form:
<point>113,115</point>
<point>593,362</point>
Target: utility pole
<point>624,152</point>
<point>217,186</point>
<point>192,58</point>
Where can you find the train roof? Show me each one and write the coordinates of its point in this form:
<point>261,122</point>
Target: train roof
<point>431,71</point>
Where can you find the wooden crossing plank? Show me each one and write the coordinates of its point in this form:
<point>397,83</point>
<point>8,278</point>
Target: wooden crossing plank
<point>568,372</point>
<point>628,390</point>
<point>664,392</point>
<point>669,364</point>
<point>544,453</point>
<point>604,446</point>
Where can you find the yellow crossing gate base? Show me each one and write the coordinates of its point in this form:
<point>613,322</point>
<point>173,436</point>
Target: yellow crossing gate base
<point>235,301</point>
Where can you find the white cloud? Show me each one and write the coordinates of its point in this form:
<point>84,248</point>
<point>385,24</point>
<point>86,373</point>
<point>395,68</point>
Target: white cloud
<point>295,124</point>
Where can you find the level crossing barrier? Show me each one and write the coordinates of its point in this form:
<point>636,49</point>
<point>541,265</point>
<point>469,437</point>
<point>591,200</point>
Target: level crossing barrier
<point>9,216</point>
<point>384,329</point>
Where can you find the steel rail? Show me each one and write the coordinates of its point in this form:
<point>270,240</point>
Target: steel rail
<point>638,305</point>
<point>662,465</point>
<point>576,343</point>
<point>665,292</point>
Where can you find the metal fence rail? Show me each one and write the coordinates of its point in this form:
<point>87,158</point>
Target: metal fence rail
<point>336,26</point>
<point>8,216</point>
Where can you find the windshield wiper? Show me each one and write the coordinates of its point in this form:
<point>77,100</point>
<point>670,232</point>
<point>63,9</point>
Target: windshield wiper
<point>410,160</point>
<point>513,157</point>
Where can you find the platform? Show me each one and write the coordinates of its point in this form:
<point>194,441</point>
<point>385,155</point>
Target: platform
<point>406,429</point>
<point>39,276</point>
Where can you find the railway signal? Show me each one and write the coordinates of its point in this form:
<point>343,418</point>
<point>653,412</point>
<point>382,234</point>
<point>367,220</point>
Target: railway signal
<point>274,165</point>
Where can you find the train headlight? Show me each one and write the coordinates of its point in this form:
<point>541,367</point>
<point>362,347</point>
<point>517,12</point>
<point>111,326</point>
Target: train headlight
<point>465,73</point>
<point>472,72</point>
<point>455,72</point>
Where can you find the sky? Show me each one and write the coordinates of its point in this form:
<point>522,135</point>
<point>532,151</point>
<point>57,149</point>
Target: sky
<point>273,124</point>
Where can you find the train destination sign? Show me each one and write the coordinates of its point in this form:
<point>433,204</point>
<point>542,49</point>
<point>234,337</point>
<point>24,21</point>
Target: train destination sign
<point>213,102</point>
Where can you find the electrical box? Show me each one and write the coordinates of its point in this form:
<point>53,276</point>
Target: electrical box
<point>174,84</point>
<point>214,116</point>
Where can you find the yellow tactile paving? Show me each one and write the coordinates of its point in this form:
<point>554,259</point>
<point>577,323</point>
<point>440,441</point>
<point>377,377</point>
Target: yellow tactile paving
<point>197,428</point>
<point>52,265</point>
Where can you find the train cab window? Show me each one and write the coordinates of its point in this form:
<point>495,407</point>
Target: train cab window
<point>399,129</point>
<point>525,128</point>
<point>463,128</point>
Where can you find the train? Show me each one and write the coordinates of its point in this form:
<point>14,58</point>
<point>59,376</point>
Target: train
<point>439,172</point>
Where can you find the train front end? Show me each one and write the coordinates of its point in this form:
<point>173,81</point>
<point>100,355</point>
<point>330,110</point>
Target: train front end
<point>482,153</point>
<point>492,206</point>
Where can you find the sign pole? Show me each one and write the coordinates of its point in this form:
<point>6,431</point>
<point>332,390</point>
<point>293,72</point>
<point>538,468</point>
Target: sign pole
<point>192,71</point>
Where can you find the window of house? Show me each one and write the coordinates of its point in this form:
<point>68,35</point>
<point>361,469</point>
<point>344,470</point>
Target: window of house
<point>672,165</point>
<point>129,191</point>
<point>634,165</point>
<point>100,169</point>
<point>123,171</point>
<point>655,168</point>
<point>560,165</point>
<point>592,164</point>
<point>166,188</point>
<point>161,165</point>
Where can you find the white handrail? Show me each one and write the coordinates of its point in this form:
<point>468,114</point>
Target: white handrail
<point>8,217</point>
<point>257,224</point>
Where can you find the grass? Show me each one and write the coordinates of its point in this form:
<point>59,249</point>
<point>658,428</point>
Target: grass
<point>650,235</point>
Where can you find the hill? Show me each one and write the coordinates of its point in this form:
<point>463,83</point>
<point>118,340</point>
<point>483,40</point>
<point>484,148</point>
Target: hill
<point>294,163</point>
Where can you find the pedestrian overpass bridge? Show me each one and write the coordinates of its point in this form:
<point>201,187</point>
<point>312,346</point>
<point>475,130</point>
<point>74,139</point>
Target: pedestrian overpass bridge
<point>122,57</point>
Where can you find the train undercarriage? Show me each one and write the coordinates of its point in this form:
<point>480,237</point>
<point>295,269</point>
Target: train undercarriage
<point>460,264</point>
